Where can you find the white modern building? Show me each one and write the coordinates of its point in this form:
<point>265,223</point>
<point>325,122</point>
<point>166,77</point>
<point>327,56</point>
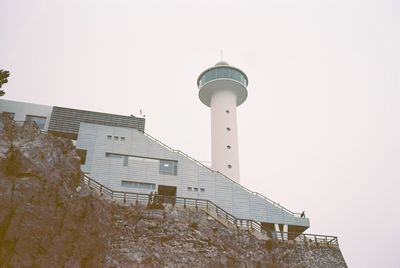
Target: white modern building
<point>117,152</point>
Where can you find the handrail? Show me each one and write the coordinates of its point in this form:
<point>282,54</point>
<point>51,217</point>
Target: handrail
<point>209,206</point>
<point>214,171</point>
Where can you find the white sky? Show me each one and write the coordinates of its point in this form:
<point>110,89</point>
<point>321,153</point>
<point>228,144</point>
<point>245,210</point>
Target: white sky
<point>319,131</point>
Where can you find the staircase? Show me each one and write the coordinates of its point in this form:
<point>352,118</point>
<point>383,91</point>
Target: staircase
<point>213,211</point>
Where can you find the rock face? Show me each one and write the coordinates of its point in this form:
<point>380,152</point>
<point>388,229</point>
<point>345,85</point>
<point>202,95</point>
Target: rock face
<point>178,237</point>
<point>48,218</point>
<point>44,222</point>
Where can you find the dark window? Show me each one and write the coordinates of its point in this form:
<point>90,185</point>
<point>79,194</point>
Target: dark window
<point>39,120</point>
<point>229,166</point>
<point>10,115</point>
<point>138,185</point>
<point>228,129</point>
<point>228,146</point>
<point>113,155</point>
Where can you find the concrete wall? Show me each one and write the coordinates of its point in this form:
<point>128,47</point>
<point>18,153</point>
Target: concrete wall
<point>110,171</point>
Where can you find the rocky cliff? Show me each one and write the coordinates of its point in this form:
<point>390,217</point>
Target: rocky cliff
<point>49,218</point>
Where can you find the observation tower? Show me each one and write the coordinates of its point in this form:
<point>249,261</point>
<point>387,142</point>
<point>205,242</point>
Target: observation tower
<point>223,87</point>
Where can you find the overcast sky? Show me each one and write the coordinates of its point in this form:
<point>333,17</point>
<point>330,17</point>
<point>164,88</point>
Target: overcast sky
<point>320,130</point>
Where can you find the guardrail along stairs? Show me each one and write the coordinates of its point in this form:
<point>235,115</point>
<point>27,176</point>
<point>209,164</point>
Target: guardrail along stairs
<point>214,211</point>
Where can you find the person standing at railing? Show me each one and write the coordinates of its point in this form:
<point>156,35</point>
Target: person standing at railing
<point>155,199</point>
<point>150,201</point>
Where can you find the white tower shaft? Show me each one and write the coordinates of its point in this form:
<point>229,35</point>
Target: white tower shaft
<point>223,88</point>
<point>224,136</point>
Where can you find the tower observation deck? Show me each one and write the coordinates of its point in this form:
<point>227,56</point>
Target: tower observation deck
<point>223,88</point>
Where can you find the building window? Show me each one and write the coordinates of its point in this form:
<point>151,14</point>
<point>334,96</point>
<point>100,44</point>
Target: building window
<point>10,115</point>
<point>229,166</point>
<point>109,137</point>
<point>228,146</point>
<point>196,189</point>
<point>39,120</point>
<point>227,111</point>
<point>122,138</point>
<point>189,188</point>
<point>115,138</point>
<point>113,155</point>
<point>168,167</point>
<point>138,185</point>
<point>228,129</point>
<point>202,190</point>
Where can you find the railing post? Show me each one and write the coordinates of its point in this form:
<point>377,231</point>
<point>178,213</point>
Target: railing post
<point>137,199</point>
<point>184,202</point>
<point>196,204</point>
<point>124,197</point>
<point>88,183</point>
<point>101,189</point>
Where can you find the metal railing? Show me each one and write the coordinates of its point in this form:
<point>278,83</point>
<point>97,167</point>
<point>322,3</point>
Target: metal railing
<point>212,209</point>
<point>214,171</point>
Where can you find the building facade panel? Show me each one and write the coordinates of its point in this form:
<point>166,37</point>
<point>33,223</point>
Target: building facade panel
<point>137,161</point>
<point>67,120</point>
